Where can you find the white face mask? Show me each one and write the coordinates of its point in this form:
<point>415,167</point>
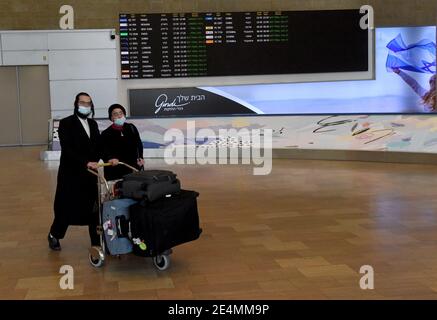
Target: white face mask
<point>84,110</point>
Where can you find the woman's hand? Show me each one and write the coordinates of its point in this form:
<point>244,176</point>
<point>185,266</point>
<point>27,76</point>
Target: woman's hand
<point>140,162</point>
<point>113,162</point>
<point>92,165</point>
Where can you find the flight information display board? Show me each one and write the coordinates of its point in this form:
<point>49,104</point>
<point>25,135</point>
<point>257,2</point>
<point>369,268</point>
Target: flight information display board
<point>176,45</point>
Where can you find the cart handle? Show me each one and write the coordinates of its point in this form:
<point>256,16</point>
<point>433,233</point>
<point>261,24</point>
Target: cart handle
<point>107,164</point>
<point>96,173</point>
<point>102,177</point>
<point>130,167</point>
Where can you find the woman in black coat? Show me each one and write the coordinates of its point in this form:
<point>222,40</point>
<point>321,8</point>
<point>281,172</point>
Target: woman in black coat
<point>121,142</point>
<point>76,191</point>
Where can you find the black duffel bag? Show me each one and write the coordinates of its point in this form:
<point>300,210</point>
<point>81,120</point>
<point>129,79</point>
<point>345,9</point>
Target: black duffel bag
<point>149,184</point>
<point>165,223</point>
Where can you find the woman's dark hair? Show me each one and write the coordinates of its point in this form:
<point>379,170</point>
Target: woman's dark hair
<point>115,106</point>
<point>76,103</point>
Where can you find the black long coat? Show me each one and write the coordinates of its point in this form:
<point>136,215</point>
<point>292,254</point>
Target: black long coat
<point>124,145</point>
<point>76,191</point>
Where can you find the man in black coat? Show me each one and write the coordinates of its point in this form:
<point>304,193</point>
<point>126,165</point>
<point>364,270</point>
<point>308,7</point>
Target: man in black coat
<point>76,191</point>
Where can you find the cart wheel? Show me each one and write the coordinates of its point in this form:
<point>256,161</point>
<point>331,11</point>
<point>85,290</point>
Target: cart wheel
<point>96,263</point>
<point>161,262</point>
<point>96,257</point>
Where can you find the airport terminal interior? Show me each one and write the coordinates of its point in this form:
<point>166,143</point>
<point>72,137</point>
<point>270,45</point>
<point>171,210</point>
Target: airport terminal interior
<point>334,199</point>
<point>302,232</point>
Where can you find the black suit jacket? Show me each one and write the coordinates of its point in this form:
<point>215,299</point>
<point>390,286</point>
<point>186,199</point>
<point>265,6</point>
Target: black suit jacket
<point>76,191</point>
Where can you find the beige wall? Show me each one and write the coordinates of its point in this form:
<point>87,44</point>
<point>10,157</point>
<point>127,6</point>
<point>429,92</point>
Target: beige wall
<point>98,14</point>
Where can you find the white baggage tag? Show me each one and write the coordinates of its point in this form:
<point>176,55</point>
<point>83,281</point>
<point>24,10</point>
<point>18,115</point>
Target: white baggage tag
<point>106,225</point>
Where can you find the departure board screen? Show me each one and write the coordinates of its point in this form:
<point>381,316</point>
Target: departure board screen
<point>176,45</point>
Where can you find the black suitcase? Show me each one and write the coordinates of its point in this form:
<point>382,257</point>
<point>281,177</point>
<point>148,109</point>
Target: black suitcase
<point>149,184</point>
<point>165,223</point>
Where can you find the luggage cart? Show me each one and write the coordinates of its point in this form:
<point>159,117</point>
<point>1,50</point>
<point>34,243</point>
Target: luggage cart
<point>106,192</point>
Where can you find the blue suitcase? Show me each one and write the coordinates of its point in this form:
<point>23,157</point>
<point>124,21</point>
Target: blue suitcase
<point>114,218</point>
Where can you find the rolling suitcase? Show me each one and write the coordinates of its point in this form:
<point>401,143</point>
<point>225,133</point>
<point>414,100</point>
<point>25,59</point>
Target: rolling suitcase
<point>165,223</point>
<point>115,220</point>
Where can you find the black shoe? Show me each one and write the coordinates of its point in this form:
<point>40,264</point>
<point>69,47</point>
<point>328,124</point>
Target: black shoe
<point>54,243</point>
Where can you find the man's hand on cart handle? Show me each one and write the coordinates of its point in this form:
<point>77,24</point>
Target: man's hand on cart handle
<point>92,165</point>
<point>113,162</point>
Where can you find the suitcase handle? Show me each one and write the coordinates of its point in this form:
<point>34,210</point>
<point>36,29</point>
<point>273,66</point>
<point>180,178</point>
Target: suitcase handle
<point>119,220</point>
<point>162,178</point>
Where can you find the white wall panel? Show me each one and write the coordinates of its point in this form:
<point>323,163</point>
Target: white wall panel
<point>23,58</point>
<point>83,64</point>
<point>24,41</point>
<point>1,53</point>
<point>62,93</point>
<point>69,40</point>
